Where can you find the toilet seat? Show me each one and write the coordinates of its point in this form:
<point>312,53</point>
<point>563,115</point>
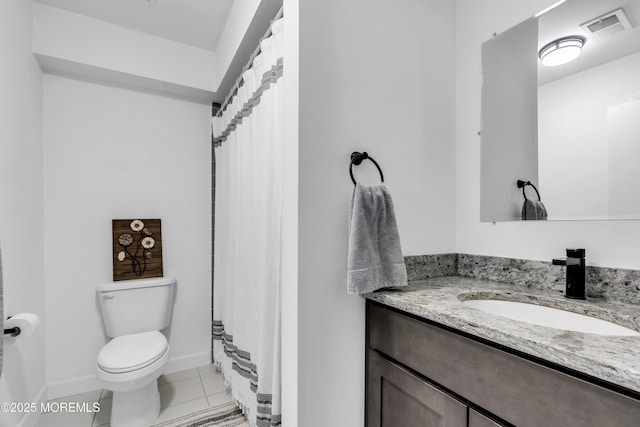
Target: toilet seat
<point>129,353</point>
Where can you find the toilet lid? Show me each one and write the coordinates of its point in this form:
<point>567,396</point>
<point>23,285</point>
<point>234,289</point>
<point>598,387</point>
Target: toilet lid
<point>131,352</point>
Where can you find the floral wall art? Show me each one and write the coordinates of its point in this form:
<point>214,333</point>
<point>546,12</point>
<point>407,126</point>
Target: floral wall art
<point>137,249</point>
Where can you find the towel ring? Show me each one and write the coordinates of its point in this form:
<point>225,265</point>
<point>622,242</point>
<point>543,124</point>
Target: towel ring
<point>522,184</point>
<point>357,158</point>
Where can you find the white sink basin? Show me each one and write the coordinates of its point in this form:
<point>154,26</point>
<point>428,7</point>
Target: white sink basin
<point>550,317</point>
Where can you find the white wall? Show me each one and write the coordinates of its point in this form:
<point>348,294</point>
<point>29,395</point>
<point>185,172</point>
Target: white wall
<point>608,243</point>
<point>368,82</point>
<point>114,153</point>
<point>21,218</point>
<point>291,117</point>
<point>238,21</point>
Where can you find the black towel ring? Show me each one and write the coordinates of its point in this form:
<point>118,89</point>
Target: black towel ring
<point>522,184</point>
<point>357,158</point>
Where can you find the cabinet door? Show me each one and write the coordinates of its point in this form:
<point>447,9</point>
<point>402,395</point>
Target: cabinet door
<point>397,398</point>
<point>476,419</point>
<point>518,391</point>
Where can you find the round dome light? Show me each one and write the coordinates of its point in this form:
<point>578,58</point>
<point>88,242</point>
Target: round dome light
<point>561,51</point>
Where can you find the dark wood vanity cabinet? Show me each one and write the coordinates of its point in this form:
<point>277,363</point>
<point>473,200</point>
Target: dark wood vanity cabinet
<point>476,419</point>
<point>419,374</point>
<point>396,397</point>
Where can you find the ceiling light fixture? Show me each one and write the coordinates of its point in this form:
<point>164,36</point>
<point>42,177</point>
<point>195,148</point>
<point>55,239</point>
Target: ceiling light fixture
<point>561,51</point>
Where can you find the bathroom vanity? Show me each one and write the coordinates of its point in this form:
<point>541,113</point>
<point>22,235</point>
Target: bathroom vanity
<point>432,360</point>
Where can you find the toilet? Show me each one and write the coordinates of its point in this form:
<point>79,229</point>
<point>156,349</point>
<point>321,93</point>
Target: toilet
<point>134,312</point>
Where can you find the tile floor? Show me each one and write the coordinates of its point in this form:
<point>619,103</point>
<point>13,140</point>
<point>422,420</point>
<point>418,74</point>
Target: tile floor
<point>181,393</point>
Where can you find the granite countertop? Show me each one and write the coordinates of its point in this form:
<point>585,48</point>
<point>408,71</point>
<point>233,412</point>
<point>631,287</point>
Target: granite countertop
<point>615,359</point>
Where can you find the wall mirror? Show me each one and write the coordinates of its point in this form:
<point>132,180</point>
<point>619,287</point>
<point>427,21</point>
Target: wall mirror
<point>572,130</point>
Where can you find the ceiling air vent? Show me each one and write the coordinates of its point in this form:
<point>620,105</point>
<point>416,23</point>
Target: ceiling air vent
<point>607,25</point>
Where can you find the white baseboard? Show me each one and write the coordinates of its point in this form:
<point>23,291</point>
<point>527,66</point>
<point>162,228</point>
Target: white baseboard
<point>73,386</point>
<point>189,361</point>
<point>29,419</point>
<point>90,382</point>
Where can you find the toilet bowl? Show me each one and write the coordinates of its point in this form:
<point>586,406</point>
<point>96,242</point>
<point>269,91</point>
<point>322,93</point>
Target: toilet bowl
<point>130,366</point>
<point>134,312</point>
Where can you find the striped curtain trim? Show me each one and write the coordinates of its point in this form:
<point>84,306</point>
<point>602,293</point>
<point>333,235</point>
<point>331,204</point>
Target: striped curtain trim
<point>268,78</point>
<point>264,417</point>
<point>241,363</point>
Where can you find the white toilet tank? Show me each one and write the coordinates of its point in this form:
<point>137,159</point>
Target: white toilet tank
<point>133,306</point>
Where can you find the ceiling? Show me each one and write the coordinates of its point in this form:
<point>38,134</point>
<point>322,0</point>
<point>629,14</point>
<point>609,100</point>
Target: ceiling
<point>196,23</point>
<point>566,19</point>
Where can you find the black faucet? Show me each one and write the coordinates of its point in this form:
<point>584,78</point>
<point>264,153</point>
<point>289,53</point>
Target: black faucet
<point>575,273</point>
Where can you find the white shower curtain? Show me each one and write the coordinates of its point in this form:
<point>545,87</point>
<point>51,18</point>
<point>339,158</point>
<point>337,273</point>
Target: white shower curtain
<point>248,236</point>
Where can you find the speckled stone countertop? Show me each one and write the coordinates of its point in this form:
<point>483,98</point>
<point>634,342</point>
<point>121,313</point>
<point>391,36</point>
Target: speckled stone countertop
<point>615,359</point>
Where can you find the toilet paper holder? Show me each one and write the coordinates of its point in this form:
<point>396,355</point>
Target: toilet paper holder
<point>20,326</point>
<point>14,332</point>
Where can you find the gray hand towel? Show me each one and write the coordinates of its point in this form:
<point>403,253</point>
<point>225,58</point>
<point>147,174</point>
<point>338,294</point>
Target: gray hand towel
<point>375,257</point>
<point>534,210</point>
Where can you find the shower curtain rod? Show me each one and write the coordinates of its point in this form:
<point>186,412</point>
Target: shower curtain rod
<point>249,64</point>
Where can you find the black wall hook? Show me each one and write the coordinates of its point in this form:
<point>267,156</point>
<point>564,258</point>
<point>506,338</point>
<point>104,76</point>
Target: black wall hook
<point>357,158</point>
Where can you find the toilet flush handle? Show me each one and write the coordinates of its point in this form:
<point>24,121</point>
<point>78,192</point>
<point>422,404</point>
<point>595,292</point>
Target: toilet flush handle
<point>109,295</point>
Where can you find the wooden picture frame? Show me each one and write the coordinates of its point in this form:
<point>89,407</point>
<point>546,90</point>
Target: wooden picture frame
<point>137,248</point>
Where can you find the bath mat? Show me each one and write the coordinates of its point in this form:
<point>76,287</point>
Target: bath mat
<point>224,415</point>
